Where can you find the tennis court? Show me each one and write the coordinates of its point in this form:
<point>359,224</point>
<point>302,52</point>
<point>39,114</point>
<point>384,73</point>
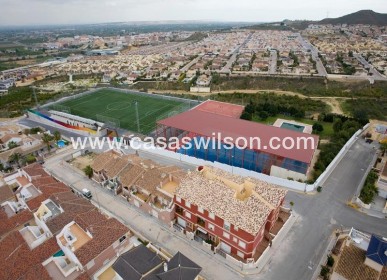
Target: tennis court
<point>119,108</point>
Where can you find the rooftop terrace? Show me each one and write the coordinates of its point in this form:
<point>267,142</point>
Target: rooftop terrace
<point>231,198</point>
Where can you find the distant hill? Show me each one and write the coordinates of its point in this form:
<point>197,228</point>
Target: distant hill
<point>268,26</point>
<point>360,17</point>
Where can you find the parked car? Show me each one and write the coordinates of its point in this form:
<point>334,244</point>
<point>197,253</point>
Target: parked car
<point>86,193</point>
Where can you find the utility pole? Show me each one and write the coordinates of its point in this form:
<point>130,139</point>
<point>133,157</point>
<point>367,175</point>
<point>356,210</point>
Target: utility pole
<point>137,117</point>
<point>36,99</point>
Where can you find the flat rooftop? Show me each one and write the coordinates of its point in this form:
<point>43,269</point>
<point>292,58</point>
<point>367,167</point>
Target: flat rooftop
<point>81,237</point>
<point>209,125</point>
<point>239,201</point>
<point>53,208</point>
<point>221,108</point>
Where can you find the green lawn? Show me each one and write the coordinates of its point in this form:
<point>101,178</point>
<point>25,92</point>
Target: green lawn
<point>328,127</point>
<point>112,105</point>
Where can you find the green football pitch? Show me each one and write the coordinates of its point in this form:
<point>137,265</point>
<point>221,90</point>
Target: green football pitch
<point>117,107</point>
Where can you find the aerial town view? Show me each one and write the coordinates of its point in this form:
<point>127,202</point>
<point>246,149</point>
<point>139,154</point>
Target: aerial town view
<point>193,140</point>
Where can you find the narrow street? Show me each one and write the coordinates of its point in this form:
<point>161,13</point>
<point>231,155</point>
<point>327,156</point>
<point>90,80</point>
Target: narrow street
<point>301,250</point>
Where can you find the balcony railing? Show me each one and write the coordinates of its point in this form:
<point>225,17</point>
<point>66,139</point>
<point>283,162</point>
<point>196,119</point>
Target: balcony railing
<point>179,210</point>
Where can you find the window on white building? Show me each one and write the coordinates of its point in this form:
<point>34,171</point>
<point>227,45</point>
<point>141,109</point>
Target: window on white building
<point>211,216</point>
<point>188,204</point>
<point>226,226</point>
<point>178,199</point>
<point>200,210</point>
<point>188,215</point>
<point>226,234</point>
<point>235,239</point>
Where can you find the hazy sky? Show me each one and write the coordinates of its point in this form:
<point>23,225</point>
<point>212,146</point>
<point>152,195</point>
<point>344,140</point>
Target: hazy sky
<point>25,12</point>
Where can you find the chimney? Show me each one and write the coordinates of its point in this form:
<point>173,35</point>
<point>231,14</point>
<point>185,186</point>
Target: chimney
<point>165,267</point>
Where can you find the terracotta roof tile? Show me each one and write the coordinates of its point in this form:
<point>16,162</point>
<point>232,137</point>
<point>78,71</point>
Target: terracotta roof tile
<point>130,174</point>
<point>72,206</point>
<point>19,261</point>
<point>9,224</point>
<point>104,231</point>
<point>35,170</point>
<point>47,191</point>
<point>351,264</point>
<point>6,193</point>
<point>102,160</point>
<point>116,166</point>
<point>37,271</point>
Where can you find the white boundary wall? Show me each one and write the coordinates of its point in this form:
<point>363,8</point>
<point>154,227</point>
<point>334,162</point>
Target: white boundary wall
<point>293,185</point>
<point>320,180</point>
<point>42,120</point>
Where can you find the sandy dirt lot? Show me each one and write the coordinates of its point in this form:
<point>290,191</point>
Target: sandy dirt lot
<point>83,161</point>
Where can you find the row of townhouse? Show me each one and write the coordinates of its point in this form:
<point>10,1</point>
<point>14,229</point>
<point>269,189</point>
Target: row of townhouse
<point>235,215</point>
<point>142,182</point>
<point>50,232</point>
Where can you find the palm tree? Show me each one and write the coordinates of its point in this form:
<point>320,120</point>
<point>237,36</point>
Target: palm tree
<point>47,138</point>
<point>12,144</point>
<point>57,135</point>
<point>383,147</point>
<point>88,171</point>
<point>15,157</point>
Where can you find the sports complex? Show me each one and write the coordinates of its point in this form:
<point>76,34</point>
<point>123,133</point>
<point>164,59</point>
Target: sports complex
<point>132,111</point>
<point>218,121</point>
<point>104,112</point>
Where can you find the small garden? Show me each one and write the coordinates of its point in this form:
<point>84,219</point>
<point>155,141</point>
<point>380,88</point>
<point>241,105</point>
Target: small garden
<point>327,269</point>
<point>343,129</point>
<point>369,189</point>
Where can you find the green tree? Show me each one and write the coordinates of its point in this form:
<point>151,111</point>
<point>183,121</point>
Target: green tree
<point>30,158</point>
<point>35,130</point>
<point>383,147</point>
<point>12,145</point>
<point>318,127</point>
<point>57,135</point>
<point>16,158</point>
<point>263,115</point>
<point>47,138</point>
<point>330,261</point>
<point>369,189</point>
<point>246,116</point>
<point>337,125</point>
<point>88,171</point>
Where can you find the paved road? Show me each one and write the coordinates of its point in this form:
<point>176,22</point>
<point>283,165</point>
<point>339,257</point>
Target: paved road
<point>227,67</point>
<point>314,52</point>
<point>187,66</point>
<point>299,254</point>
<point>143,224</point>
<point>375,73</point>
<point>273,62</point>
<point>321,214</point>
